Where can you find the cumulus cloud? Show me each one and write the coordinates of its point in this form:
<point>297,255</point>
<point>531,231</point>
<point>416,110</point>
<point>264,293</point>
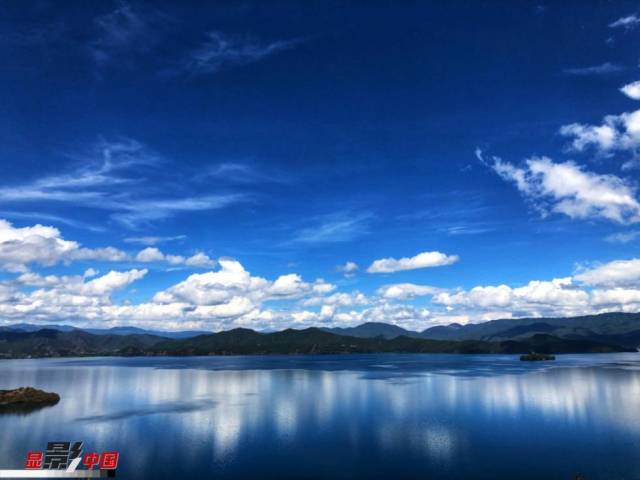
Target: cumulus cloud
<point>44,245</point>
<point>404,291</point>
<point>617,299</point>
<point>111,281</point>
<point>349,269</point>
<point>537,298</point>
<point>571,190</point>
<point>619,273</point>
<point>231,296</point>
<point>340,299</point>
<point>236,288</point>
<point>614,286</point>
<point>632,90</point>
<point>65,297</point>
<point>406,316</point>
<point>150,254</point>
<point>616,133</point>
<point>421,260</point>
<point>321,287</point>
<point>287,286</point>
<point>199,260</point>
<point>217,287</point>
<point>153,254</point>
<point>228,296</point>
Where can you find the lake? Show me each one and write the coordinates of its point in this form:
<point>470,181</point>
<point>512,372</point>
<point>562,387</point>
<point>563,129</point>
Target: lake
<point>367,416</point>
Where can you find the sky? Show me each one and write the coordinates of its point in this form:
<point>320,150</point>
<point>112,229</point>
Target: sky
<point>201,165</point>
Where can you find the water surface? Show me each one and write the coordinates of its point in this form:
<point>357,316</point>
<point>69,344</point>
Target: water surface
<point>367,416</point>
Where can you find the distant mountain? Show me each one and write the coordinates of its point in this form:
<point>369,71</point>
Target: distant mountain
<point>372,330</point>
<point>57,343</point>
<point>140,331</point>
<point>29,327</point>
<point>317,341</point>
<point>609,332</point>
<point>618,328</point>
<point>611,324</point>
<point>604,324</point>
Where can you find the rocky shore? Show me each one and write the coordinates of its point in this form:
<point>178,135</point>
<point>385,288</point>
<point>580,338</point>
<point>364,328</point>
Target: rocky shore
<point>26,399</point>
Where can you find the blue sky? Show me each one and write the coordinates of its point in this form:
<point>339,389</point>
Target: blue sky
<point>197,165</point>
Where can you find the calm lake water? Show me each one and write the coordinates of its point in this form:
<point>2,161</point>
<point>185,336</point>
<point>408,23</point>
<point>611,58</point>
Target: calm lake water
<point>367,416</point>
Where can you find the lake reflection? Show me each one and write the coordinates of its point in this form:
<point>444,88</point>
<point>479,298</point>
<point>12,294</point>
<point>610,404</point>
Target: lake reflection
<point>379,416</point>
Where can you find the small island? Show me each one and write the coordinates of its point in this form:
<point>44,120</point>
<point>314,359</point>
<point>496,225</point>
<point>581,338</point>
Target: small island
<point>536,357</point>
<point>26,399</point>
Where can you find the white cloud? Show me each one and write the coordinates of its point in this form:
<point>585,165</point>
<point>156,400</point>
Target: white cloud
<point>150,254</point>
<point>616,287</point>
<point>232,280</point>
<point>619,273</point>
<point>349,269</point>
<point>64,298</point>
<point>153,254</point>
<point>632,90</point>
<point>406,316</point>
<point>616,133</point>
<point>44,245</point>
<point>90,272</point>
<point>342,299</point>
<point>199,260</point>
<point>112,281</point>
<point>288,286</point>
<point>37,244</point>
<point>617,299</point>
<point>568,189</point>
<point>106,254</point>
<point>404,291</point>
<point>629,22</point>
<point>537,298</point>
<point>321,287</point>
<point>230,296</point>
<point>421,260</point>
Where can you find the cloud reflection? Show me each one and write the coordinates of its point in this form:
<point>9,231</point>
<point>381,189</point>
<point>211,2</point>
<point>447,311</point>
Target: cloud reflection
<point>223,414</point>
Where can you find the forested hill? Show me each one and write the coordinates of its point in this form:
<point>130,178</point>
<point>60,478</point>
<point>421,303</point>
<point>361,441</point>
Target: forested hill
<point>56,343</point>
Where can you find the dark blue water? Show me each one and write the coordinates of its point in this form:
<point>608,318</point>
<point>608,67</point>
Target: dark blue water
<point>368,416</point>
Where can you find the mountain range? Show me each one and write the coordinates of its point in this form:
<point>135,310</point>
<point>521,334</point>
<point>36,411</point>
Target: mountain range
<point>610,332</point>
<point>30,327</point>
<point>615,327</point>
